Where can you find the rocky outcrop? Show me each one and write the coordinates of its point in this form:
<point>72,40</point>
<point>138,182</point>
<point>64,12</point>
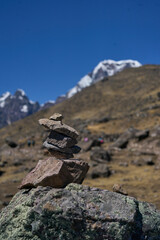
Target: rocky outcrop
<point>99,159</point>
<point>78,212</point>
<point>131,133</point>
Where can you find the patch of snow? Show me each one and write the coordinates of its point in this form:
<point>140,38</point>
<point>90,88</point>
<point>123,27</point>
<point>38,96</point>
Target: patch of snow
<point>3,98</point>
<point>24,108</point>
<point>22,92</point>
<point>31,102</point>
<point>110,67</point>
<point>85,81</point>
<point>51,101</point>
<point>20,97</point>
<point>72,91</point>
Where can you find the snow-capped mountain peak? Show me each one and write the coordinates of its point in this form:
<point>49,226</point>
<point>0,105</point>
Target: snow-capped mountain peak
<point>111,67</point>
<point>3,98</point>
<point>103,69</point>
<point>16,106</point>
<point>21,91</point>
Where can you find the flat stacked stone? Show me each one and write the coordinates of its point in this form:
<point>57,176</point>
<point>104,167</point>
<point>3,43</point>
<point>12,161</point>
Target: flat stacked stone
<point>62,138</point>
<point>58,170</point>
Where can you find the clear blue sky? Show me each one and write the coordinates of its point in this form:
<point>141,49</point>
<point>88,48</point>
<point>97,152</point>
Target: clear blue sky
<point>46,46</point>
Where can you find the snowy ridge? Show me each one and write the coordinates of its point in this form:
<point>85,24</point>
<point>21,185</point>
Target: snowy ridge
<point>84,82</point>
<point>103,69</point>
<point>22,92</point>
<point>3,98</point>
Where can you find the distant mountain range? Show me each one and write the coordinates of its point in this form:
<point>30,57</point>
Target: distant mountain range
<point>18,106</point>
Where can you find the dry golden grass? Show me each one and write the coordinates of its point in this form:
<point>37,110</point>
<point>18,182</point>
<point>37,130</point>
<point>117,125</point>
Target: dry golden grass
<point>140,182</point>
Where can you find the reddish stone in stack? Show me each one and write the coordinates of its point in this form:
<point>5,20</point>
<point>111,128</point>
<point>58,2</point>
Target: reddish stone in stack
<point>58,170</point>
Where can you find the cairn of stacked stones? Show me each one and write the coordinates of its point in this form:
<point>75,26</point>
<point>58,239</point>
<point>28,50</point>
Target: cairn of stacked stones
<point>62,138</point>
<point>60,169</point>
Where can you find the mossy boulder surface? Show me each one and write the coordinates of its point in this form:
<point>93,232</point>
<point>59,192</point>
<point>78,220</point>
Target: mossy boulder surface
<point>77,212</point>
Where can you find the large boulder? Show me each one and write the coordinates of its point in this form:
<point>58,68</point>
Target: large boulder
<point>99,170</point>
<point>78,212</point>
<point>56,173</point>
<point>131,133</point>
<point>99,155</point>
<point>87,146</point>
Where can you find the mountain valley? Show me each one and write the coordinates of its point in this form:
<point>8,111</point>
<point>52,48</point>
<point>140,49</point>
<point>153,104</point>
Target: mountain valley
<point>122,110</point>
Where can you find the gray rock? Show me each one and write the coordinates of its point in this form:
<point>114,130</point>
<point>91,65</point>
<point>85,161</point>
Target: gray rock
<point>60,140</point>
<point>100,170</point>
<point>71,150</point>
<point>86,146</point>
<point>99,155</point>
<point>131,133</point>
<point>78,212</point>
<point>60,155</point>
<point>123,140</point>
<point>58,127</point>
<point>143,160</point>
<point>142,134</point>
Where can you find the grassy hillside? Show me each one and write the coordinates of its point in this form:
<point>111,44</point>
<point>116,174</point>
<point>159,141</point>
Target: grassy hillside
<point>129,99</point>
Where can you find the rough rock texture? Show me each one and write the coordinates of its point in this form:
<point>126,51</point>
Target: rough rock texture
<point>55,173</point>
<point>99,155</point>
<point>56,117</point>
<point>71,150</point>
<point>131,133</point>
<point>59,155</point>
<point>77,212</point>
<point>61,128</point>
<point>86,146</point>
<point>60,140</point>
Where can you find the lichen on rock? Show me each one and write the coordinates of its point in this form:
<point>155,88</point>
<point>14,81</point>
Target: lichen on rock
<point>77,212</point>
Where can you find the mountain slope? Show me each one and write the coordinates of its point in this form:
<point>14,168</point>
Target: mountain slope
<point>18,106</point>
<point>130,98</point>
<point>108,108</point>
<point>103,69</point>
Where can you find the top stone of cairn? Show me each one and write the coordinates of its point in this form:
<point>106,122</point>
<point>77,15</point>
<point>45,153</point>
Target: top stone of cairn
<point>56,117</point>
<point>58,126</point>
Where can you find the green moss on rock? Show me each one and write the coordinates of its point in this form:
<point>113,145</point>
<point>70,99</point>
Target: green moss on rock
<point>77,212</point>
